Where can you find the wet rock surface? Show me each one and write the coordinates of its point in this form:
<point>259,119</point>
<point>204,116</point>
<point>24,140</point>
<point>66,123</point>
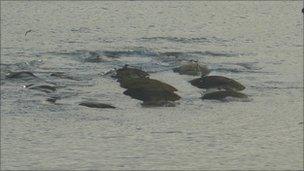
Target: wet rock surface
<point>154,93</point>
<point>127,73</point>
<point>218,82</point>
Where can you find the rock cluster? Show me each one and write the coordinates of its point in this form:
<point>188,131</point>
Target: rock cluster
<point>139,86</point>
<point>225,87</point>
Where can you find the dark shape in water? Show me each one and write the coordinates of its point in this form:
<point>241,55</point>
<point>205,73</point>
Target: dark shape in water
<point>127,72</point>
<point>192,68</point>
<point>98,59</point>
<point>96,105</point>
<point>219,95</point>
<point>27,32</point>
<point>175,54</point>
<point>62,75</point>
<point>218,82</point>
<point>20,74</point>
<point>43,88</point>
<point>52,99</point>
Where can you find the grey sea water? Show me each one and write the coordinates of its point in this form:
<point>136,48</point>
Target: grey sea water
<point>260,44</point>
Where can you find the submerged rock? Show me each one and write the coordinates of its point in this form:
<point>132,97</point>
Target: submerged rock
<point>52,99</point>
<point>97,59</point>
<point>43,88</point>
<point>21,74</point>
<point>139,86</point>
<point>96,105</point>
<point>192,68</point>
<point>219,82</point>
<point>62,75</point>
<point>175,54</point>
<point>220,95</point>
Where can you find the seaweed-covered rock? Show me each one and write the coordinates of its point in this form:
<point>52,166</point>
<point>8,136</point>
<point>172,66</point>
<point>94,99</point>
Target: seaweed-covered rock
<point>220,95</point>
<point>127,72</point>
<point>192,68</point>
<point>96,105</point>
<point>148,93</point>
<point>218,82</point>
<point>145,83</point>
<point>152,92</point>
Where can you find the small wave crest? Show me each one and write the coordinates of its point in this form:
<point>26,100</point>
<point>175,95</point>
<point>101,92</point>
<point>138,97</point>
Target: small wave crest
<point>87,54</point>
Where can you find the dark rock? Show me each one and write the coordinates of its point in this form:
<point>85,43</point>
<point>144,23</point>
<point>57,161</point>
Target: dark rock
<point>145,83</point>
<point>139,86</point>
<point>219,95</point>
<point>218,82</point>
<point>127,72</point>
<point>192,68</point>
<point>151,94</point>
<point>96,105</point>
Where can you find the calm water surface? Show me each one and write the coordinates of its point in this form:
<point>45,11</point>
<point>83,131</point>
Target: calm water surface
<point>260,44</point>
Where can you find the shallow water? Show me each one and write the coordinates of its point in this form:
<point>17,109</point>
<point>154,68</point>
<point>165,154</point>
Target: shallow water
<point>257,43</point>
